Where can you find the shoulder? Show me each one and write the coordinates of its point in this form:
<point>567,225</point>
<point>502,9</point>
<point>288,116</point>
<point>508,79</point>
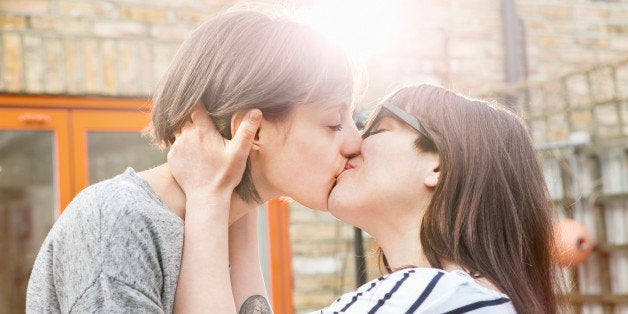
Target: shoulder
<point>141,238</point>
<point>458,292</point>
<point>417,290</point>
<point>122,200</point>
<point>138,230</point>
<point>78,230</point>
<point>117,226</point>
<point>129,201</point>
<point>91,201</point>
<point>71,257</point>
<point>103,207</point>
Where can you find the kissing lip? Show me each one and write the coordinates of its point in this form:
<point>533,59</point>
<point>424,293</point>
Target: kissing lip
<point>348,166</point>
<point>342,169</point>
<point>340,173</point>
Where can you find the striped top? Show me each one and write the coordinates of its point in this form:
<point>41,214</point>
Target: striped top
<point>422,290</point>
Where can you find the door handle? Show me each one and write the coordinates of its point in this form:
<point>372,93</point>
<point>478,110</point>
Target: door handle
<point>34,118</point>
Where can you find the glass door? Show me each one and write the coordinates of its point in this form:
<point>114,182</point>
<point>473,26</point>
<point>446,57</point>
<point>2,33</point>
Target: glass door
<point>34,185</point>
<point>106,142</point>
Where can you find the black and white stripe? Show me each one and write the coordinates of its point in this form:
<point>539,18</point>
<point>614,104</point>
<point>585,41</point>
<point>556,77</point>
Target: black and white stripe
<point>359,294</point>
<point>425,293</point>
<point>422,290</point>
<point>478,305</point>
<point>388,295</point>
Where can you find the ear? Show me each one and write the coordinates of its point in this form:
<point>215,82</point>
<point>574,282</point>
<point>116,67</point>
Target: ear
<point>433,175</point>
<point>236,119</point>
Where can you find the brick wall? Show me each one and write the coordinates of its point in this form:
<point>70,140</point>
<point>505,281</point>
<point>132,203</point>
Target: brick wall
<point>114,48</point>
<point>566,35</point>
<point>120,48</point>
<point>459,44</point>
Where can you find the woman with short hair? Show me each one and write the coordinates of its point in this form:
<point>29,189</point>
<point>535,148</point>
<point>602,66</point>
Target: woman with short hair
<point>262,80</point>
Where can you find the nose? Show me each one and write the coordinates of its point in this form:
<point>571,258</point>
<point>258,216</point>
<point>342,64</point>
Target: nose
<point>352,141</point>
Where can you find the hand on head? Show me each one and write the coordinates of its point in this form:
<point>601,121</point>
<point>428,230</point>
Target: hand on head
<point>202,161</point>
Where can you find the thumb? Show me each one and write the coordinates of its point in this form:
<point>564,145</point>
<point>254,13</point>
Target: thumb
<point>245,134</point>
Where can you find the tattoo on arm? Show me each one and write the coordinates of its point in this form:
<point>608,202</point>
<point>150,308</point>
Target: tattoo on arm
<point>255,304</point>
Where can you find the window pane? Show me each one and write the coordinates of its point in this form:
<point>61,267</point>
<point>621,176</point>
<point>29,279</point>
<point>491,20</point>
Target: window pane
<point>110,153</point>
<point>27,209</point>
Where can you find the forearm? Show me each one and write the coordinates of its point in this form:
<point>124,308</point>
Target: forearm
<point>208,168</point>
<point>204,281</point>
<point>248,286</point>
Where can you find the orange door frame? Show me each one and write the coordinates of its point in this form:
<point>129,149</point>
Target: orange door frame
<point>280,256</point>
<point>32,119</point>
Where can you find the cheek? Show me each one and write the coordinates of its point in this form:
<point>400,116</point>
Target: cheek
<point>306,168</point>
<point>312,153</point>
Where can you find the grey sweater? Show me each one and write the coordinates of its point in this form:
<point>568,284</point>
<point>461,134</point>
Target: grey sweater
<point>116,248</point>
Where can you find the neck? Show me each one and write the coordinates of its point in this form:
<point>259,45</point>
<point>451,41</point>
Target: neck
<point>402,246</point>
<point>166,187</point>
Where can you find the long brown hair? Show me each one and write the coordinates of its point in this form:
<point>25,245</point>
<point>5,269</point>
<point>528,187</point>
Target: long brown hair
<point>241,60</point>
<point>490,211</point>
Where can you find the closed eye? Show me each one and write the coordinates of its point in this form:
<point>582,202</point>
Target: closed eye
<point>365,135</point>
<point>336,128</point>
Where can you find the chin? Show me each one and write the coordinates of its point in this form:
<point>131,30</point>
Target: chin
<point>316,205</point>
<point>343,214</point>
<point>320,205</point>
<point>345,205</point>
<point>334,204</point>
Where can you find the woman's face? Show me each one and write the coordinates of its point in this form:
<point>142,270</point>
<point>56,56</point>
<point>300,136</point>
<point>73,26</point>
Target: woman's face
<point>390,174</point>
<point>302,156</point>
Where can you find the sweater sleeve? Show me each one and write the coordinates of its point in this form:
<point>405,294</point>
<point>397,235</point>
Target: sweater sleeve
<point>131,272</point>
<point>109,295</point>
<point>104,254</point>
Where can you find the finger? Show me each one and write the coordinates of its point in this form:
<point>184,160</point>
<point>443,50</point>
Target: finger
<point>185,129</point>
<point>187,126</point>
<point>245,134</point>
<point>172,152</point>
<point>201,120</point>
<point>196,113</point>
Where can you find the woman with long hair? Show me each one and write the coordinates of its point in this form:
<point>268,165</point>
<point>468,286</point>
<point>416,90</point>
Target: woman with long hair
<point>451,188</point>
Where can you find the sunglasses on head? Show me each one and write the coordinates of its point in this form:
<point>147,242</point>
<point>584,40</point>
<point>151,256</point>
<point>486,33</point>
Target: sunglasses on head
<point>397,113</point>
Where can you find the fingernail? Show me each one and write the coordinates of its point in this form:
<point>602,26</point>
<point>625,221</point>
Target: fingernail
<point>255,116</point>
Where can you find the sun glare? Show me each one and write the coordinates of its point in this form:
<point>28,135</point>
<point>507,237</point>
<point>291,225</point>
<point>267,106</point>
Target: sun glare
<point>362,28</point>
